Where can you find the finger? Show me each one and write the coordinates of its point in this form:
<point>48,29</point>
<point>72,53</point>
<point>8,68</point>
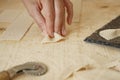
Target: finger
<point>34,9</point>
<point>35,12</point>
<point>39,19</point>
<point>49,12</point>
<point>64,28</point>
<point>59,15</point>
<point>69,7</point>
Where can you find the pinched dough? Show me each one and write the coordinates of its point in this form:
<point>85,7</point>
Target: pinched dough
<point>56,38</point>
<point>110,33</point>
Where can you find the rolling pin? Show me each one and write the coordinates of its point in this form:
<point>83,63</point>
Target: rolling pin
<point>32,68</point>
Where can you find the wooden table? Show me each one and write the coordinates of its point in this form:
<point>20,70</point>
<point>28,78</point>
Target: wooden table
<point>94,14</point>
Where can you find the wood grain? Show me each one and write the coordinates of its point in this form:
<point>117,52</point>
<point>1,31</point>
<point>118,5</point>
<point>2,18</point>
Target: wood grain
<point>9,15</point>
<point>77,7</point>
<point>18,28</point>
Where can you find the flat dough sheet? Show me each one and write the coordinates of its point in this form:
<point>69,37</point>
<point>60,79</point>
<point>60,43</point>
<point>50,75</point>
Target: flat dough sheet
<point>110,33</point>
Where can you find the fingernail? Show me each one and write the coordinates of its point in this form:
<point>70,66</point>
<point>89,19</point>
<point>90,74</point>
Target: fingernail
<point>64,32</point>
<point>51,35</point>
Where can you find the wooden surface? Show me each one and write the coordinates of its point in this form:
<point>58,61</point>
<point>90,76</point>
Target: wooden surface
<point>17,29</point>
<point>77,10</point>
<point>64,55</point>
<point>9,15</point>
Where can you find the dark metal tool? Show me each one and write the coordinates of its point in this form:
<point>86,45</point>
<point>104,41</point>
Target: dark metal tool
<point>32,68</point>
<point>96,38</point>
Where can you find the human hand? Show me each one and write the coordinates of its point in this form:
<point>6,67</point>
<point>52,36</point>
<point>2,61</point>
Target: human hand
<point>50,14</point>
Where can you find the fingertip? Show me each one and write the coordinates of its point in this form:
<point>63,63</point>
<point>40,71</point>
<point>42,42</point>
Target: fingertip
<point>69,21</point>
<point>64,33</point>
<point>58,32</point>
<point>50,31</point>
<point>69,7</point>
<point>51,35</point>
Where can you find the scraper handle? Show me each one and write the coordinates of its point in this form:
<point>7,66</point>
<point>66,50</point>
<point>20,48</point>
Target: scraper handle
<point>4,75</point>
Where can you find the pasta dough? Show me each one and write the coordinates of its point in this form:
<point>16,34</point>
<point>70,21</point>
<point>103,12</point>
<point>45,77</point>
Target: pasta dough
<point>110,33</point>
<point>56,38</point>
<point>97,74</point>
<point>115,65</point>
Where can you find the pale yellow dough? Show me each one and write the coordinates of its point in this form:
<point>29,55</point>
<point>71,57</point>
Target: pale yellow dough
<point>56,38</point>
<point>97,74</point>
<point>110,33</point>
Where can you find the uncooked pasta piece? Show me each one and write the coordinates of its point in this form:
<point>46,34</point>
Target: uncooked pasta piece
<point>56,38</point>
<point>110,33</point>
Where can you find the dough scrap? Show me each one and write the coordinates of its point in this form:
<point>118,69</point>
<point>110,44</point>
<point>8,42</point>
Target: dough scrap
<point>110,33</point>
<point>115,65</point>
<point>85,62</point>
<point>97,74</point>
<point>56,38</point>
